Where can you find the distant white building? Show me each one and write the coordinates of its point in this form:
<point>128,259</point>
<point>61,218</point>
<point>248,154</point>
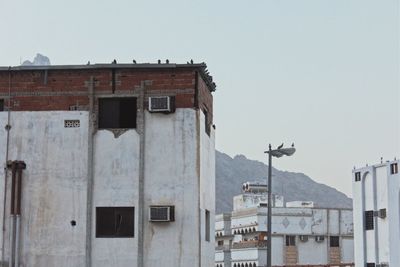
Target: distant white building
<point>301,233</point>
<point>376,203</point>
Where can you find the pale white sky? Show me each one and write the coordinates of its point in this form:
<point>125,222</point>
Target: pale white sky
<point>321,73</point>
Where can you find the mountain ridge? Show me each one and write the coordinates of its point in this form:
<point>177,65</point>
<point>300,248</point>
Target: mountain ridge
<point>231,173</point>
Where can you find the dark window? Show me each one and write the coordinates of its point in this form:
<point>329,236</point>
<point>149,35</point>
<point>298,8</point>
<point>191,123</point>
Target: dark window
<point>358,176</point>
<point>1,104</point>
<point>220,243</point>
<point>207,225</point>
<point>334,241</point>
<point>370,264</point>
<point>394,168</point>
<point>290,240</point>
<point>115,221</point>
<point>117,112</point>
<point>369,220</point>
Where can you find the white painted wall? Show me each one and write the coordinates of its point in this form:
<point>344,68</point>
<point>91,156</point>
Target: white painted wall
<point>116,174</point>
<point>378,189</point>
<point>54,186</point>
<point>179,171</point>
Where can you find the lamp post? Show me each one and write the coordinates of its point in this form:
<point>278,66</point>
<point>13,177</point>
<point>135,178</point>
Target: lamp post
<point>279,152</point>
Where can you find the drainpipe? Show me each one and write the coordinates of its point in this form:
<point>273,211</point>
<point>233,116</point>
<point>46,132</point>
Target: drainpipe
<point>12,215</point>
<point>8,128</point>
<point>89,192</point>
<point>21,166</point>
<point>141,209</point>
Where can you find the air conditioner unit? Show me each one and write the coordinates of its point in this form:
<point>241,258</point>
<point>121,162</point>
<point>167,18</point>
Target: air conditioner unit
<point>163,104</point>
<point>319,239</point>
<point>162,213</point>
<point>380,213</point>
<point>303,238</point>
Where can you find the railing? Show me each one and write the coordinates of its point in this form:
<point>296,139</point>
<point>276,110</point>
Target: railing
<point>250,244</point>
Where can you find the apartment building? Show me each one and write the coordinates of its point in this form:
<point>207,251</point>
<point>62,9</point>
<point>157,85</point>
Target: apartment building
<point>107,165</point>
<point>376,203</point>
<point>301,233</point>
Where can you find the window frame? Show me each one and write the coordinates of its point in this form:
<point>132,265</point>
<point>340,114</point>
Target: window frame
<point>207,219</point>
<point>394,168</point>
<point>290,240</point>
<point>118,106</point>
<point>101,220</point>
<point>369,220</point>
<point>334,241</point>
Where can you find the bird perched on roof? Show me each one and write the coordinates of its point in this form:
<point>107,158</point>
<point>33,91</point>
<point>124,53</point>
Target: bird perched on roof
<point>159,61</point>
<point>292,144</point>
<point>88,63</point>
<point>167,61</point>
<point>191,61</point>
<point>134,61</point>
<point>279,147</point>
<point>114,61</point>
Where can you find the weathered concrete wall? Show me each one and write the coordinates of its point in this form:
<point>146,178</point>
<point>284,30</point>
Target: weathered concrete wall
<point>207,189</point>
<point>171,178</point>
<point>54,186</point>
<point>116,174</point>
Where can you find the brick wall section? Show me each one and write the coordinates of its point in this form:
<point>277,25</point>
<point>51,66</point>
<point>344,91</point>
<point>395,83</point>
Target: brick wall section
<point>58,89</point>
<point>205,98</point>
<point>334,255</point>
<point>291,255</point>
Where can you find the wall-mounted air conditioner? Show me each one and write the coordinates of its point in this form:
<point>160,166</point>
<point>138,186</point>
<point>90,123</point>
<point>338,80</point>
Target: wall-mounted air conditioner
<point>162,213</point>
<point>380,213</point>
<point>303,238</point>
<point>163,104</point>
<point>319,239</point>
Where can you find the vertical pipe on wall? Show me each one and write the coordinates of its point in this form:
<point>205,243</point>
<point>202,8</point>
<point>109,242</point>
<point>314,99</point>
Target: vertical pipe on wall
<point>8,128</point>
<point>12,215</point>
<point>90,175</point>
<point>141,209</point>
<point>20,166</point>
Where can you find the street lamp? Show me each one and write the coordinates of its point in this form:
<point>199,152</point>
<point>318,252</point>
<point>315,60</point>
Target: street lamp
<point>279,152</point>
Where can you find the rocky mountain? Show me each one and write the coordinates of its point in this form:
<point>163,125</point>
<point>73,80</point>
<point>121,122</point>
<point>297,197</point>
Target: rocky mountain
<point>39,60</point>
<point>231,173</point>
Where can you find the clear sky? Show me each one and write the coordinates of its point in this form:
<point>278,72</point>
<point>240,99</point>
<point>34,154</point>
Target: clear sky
<point>321,73</point>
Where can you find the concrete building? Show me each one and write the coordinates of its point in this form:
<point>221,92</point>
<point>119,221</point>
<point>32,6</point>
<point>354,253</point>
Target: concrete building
<point>376,203</point>
<point>301,234</point>
<point>107,165</point>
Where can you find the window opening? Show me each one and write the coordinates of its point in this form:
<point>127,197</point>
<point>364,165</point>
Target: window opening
<point>358,176</point>
<point>290,240</point>
<point>394,168</point>
<point>117,113</point>
<point>207,225</point>
<point>1,104</point>
<point>115,221</point>
<point>334,241</point>
<point>369,220</point>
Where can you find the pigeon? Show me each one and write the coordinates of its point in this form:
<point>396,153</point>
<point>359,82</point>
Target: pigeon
<point>167,61</point>
<point>114,61</point>
<point>279,147</point>
<point>191,61</point>
<point>292,144</point>
<point>134,61</point>
<point>159,61</point>
<point>88,63</point>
